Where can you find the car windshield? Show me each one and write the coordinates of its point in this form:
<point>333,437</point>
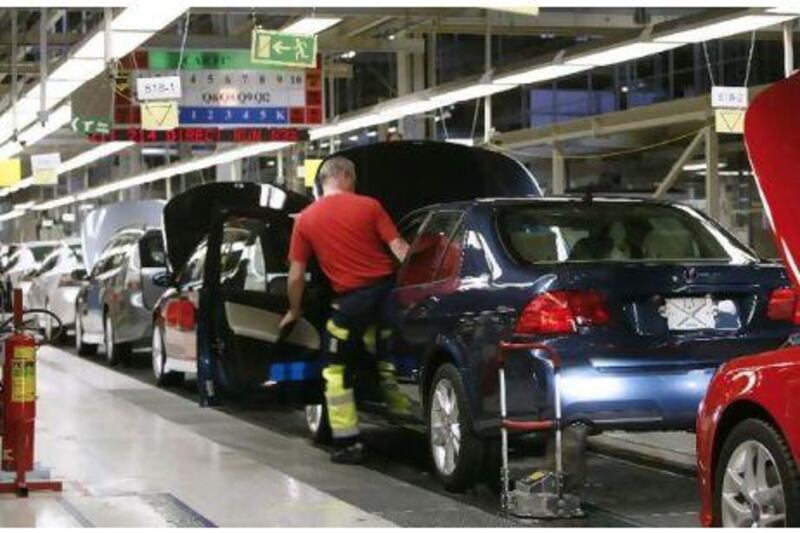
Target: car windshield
<point>40,252</point>
<point>615,231</point>
<point>48,264</point>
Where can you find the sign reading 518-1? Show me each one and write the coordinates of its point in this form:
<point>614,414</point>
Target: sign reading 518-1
<point>283,49</point>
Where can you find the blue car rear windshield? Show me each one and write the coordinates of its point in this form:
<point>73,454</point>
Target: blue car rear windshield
<point>614,231</point>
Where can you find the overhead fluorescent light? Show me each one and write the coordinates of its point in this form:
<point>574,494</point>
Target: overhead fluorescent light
<point>9,150</point>
<point>176,169</point>
<point>311,25</point>
<point>80,160</point>
<point>786,7</point>
<point>465,141</point>
<point>141,16</point>
<point>399,110</point>
<point>52,204</point>
<point>539,73</point>
<point>471,92</point>
<point>691,167</point>
<point>92,155</point>
<point>55,121</point>
<point>620,54</point>
<point>20,185</point>
<point>725,28</point>
<point>77,70</point>
<point>132,27</point>
<point>11,215</point>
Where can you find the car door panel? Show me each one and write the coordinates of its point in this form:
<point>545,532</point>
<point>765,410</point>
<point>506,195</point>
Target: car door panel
<point>429,273</point>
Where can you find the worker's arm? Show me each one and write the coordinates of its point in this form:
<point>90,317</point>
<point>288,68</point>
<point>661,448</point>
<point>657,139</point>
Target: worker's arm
<point>399,248</point>
<point>389,234</point>
<point>297,285</point>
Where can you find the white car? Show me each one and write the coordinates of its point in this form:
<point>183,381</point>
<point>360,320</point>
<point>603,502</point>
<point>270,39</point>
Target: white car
<point>24,262</point>
<point>56,283</point>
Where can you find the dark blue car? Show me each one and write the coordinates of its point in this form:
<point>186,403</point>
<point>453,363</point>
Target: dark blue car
<point>642,300</point>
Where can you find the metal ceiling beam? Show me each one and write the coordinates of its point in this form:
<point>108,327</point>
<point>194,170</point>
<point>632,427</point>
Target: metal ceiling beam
<point>680,111</point>
<point>31,38</point>
<point>677,168</point>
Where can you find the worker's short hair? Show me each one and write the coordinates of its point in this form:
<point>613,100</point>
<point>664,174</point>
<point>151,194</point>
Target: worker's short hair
<point>337,165</point>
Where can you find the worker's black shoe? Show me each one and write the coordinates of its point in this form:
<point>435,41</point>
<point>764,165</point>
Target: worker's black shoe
<point>349,455</point>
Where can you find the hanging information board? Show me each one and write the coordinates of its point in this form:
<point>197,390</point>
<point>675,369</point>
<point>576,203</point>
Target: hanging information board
<point>226,89</point>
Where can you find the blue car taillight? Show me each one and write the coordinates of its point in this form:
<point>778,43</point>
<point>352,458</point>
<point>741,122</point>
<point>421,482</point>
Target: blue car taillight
<point>562,312</point>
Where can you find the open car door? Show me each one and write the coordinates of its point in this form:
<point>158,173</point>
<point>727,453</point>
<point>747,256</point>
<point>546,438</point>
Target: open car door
<point>243,292</point>
<point>252,272</point>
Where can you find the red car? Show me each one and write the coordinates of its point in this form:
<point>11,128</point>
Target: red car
<point>748,442</point>
<point>748,430</point>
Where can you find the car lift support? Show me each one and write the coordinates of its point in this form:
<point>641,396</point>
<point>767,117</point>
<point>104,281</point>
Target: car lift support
<point>542,494</point>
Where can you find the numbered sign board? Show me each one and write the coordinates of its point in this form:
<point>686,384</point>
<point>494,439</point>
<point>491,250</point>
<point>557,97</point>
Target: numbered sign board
<point>227,95</point>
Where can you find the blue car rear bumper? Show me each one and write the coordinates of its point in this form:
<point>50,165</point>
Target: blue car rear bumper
<point>642,399</point>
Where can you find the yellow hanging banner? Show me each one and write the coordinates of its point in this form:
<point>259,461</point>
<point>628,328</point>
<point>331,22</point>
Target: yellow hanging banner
<point>10,172</point>
<point>310,167</point>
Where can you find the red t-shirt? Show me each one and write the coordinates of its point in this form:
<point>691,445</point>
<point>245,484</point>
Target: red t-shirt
<point>348,234</point>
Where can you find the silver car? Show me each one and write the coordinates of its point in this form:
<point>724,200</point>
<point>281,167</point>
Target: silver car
<point>114,307</point>
<point>55,285</point>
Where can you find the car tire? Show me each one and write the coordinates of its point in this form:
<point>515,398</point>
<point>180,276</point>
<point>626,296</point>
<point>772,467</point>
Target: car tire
<point>81,347</point>
<point>755,444</point>
<point>115,352</point>
<point>159,357</point>
<point>456,451</point>
<point>317,422</point>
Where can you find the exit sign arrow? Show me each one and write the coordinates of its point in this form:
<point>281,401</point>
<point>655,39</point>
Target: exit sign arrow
<point>90,125</point>
<point>283,49</point>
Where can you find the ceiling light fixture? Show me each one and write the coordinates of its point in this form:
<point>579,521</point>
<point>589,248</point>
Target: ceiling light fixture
<point>539,73</point>
<point>311,25</point>
<point>724,28</point>
<point>621,54</point>
<point>130,29</point>
<point>182,167</point>
<point>11,215</point>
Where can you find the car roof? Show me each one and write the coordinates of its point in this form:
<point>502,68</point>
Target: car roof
<point>563,200</point>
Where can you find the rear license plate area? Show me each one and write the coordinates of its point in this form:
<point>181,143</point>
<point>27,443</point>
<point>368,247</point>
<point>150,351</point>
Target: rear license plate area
<point>695,313</point>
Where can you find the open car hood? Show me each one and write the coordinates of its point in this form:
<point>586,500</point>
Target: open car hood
<point>102,223</point>
<point>408,175</point>
<point>773,144</point>
<point>188,216</point>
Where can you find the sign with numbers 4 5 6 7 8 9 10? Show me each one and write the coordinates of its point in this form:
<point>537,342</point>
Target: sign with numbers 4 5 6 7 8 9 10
<point>248,96</point>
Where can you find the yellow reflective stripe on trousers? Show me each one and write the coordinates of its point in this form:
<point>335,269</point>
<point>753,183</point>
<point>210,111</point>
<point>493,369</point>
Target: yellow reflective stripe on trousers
<point>397,402</point>
<point>341,403</point>
<point>371,340</point>
<point>338,332</point>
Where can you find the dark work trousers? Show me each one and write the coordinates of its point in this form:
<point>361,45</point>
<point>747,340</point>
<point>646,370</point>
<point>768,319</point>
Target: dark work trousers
<point>351,331</point>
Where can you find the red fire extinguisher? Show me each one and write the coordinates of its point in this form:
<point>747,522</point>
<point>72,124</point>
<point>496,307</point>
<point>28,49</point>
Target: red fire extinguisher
<point>19,408</point>
<point>19,402</point>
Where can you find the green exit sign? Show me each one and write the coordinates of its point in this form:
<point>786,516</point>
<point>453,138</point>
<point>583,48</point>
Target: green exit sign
<point>284,49</point>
